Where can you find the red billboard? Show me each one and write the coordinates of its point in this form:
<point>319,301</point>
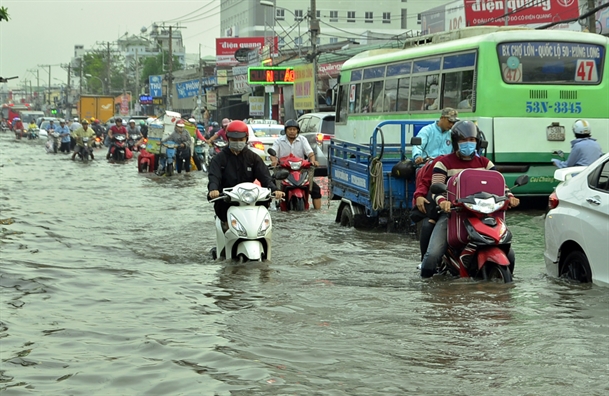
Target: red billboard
<point>227,46</point>
<point>520,12</point>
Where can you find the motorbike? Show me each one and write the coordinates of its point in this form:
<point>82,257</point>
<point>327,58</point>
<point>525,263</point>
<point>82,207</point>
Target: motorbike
<point>247,236</point>
<point>4,126</point>
<point>296,176</point>
<point>168,158</point>
<point>133,138</point>
<point>97,142</point>
<point>479,241</point>
<point>85,152</point>
<point>117,148</point>
<point>201,155</point>
<point>145,161</point>
<point>53,141</point>
<point>216,147</point>
<point>19,133</point>
<point>33,133</point>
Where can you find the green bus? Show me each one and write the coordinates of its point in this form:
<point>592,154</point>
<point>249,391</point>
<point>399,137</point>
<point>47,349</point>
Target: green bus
<point>524,88</point>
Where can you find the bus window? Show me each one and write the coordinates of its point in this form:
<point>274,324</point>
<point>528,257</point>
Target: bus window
<point>343,102</point>
<point>354,90</point>
<point>372,97</point>
<point>374,72</point>
<point>424,94</point>
<point>458,89</point>
<point>403,92</point>
<point>391,95</point>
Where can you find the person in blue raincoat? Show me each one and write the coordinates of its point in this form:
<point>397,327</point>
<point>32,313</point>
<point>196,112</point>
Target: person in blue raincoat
<point>584,149</point>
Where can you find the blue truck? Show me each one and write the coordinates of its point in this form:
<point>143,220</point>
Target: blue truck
<point>375,182</point>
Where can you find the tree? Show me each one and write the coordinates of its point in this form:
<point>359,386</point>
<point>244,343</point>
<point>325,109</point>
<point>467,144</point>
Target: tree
<point>4,14</point>
<point>153,66</point>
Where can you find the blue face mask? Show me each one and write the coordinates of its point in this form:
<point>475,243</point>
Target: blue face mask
<point>467,149</point>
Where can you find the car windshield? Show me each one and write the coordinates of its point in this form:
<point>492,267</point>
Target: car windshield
<point>266,131</point>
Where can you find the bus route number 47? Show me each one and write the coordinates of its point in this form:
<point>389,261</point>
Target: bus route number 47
<point>586,71</point>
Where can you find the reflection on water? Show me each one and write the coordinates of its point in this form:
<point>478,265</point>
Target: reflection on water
<point>107,287</point>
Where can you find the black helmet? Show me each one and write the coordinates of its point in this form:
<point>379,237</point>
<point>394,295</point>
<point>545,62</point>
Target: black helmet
<point>118,119</point>
<point>290,123</point>
<point>464,129</point>
<point>403,170</point>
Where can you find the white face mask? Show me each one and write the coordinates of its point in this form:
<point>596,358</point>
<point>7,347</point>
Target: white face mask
<point>237,146</point>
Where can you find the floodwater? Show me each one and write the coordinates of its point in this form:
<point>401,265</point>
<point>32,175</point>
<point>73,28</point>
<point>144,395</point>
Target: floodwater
<point>107,288</point>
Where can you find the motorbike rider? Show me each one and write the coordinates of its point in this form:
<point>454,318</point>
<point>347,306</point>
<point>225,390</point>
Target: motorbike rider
<point>64,132</point>
<point>220,133</point>
<point>116,129</point>
<point>584,149</point>
<point>211,131</point>
<point>182,138</point>
<point>17,124</point>
<point>465,139</point>
<point>97,128</point>
<point>436,137</point>
<point>80,133</point>
<point>133,129</point>
<point>32,125</point>
<point>235,164</point>
<point>144,129</point>
<point>292,143</point>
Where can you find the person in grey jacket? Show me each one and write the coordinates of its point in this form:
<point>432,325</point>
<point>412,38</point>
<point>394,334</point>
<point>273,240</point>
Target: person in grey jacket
<point>584,149</point>
<point>182,139</point>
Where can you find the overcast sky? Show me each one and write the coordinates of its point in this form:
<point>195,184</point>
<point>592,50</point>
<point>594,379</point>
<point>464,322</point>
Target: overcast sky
<point>45,31</point>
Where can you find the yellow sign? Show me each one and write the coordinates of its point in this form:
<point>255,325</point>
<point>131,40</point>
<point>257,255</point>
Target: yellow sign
<point>304,90</point>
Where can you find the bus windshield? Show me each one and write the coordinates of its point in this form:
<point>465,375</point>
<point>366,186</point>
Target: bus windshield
<point>551,63</point>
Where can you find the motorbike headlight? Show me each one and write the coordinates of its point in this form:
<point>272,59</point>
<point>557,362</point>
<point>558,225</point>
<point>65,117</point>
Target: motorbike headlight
<point>248,196</point>
<point>237,226</point>
<point>266,223</point>
<point>295,165</point>
<point>487,205</point>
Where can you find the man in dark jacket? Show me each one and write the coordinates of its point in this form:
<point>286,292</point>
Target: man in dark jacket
<point>236,164</point>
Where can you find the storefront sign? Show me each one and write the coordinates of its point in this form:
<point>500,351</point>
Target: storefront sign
<point>521,12</point>
<point>187,89</point>
<point>226,48</point>
<point>304,89</point>
<point>155,84</point>
<point>256,106</point>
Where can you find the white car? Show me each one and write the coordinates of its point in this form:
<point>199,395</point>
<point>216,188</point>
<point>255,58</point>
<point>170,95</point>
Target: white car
<point>577,225</point>
<point>257,146</point>
<point>267,133</point>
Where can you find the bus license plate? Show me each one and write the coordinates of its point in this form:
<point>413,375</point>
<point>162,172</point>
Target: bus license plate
<point>555,133</point>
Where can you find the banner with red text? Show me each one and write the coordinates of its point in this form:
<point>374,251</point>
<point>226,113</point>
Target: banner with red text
<point>226,48</point>
<point>520,12</point>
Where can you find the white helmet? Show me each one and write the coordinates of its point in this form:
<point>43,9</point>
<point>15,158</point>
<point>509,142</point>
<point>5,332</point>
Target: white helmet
<point>124,122</point>
<point>131,121</point>
<point>582,127</point>
<point>192,120</point>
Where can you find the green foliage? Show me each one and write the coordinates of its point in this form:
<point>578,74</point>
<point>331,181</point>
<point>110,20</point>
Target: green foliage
<point>153,66</point>
<point>4,14</point>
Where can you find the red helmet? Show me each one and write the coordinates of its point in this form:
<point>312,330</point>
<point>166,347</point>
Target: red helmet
<point>237,130</point>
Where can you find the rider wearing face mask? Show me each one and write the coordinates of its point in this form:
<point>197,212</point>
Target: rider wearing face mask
<point>236,164</point>
<point>465,140</point>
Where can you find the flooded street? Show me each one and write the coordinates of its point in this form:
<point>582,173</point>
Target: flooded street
<point>108,288</point>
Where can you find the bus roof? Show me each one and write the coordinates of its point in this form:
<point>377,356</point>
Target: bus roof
<point>386,56</point>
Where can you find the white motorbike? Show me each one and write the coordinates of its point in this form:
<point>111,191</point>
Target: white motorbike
<point>53,142</point>
<point>247,236</point>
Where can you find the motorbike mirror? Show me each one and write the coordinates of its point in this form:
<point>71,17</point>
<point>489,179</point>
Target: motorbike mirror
<point>272,152</point>
<point>416,141</point>
<point>483,144</point>
<point>438,188</point>
<point>521,180</point>
<point>281,174</point>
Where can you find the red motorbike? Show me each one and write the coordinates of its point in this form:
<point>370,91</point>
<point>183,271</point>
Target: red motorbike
<point>479,242</point>
<point>296,181</point>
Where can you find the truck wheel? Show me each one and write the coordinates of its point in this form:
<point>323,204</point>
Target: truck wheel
<point>346,217</point>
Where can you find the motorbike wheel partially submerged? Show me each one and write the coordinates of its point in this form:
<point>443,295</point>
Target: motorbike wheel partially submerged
<point>496,273</point>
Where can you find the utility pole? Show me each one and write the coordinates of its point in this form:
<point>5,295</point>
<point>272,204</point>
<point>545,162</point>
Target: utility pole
<point>81,77</point>
<point>170,79</point>
<point>49,85</point>
<point>108,87</point>
<point>199,100</point>
<point>591,18</point>
<point>314,28</point>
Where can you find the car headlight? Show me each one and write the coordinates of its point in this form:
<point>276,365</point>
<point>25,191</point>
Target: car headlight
<point>487,205</point>
<point>266,223</point>
<point>248,196</point>
<point>237,226</point>
<point>295,165</point>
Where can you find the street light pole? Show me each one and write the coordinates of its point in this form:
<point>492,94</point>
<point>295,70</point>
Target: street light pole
<point>100,81</point>
<point>314,27</point>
